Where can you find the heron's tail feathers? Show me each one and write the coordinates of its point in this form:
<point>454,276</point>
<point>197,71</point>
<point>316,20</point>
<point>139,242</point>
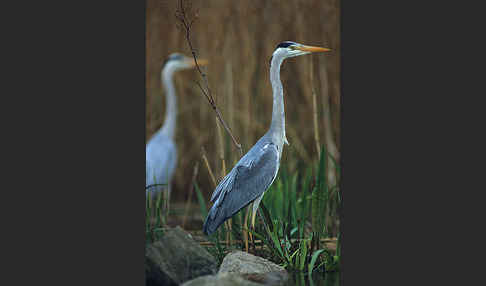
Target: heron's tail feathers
<point>213,221</point>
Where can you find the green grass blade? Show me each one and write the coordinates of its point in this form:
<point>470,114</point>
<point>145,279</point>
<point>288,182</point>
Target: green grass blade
<point>303,254</point>
<point>304,211</point>
<point>314,259</point>
<point>266,215</point>
<point>202,202</point>
<point>276,242</point>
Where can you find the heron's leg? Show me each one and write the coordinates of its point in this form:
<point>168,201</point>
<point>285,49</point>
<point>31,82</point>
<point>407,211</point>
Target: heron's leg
<point>252,226</point>
<point>253,215</point>
<point>150,205</point>
<point>167,200</point>
<point>263,219</point>
<point>245,230</point>
<point>163,195</point>
<point>228,225</point>
<point>256,203</point>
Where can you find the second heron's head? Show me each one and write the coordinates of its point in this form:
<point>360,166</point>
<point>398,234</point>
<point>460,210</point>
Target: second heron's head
<point>290,49</point>
<point>177,61</point>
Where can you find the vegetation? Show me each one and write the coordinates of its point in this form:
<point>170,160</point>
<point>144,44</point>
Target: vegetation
<point>291,230</point>
<point>298,214</point>
<point>154,218</point>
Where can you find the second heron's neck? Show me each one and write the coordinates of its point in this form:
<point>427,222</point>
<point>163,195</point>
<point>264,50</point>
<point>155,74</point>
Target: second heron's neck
<point>277,128</point>
<point>171,104</point>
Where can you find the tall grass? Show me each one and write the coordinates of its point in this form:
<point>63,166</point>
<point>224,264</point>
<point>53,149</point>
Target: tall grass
<point>154,217</point>
<point>298,207</point>
<point>291,229</point>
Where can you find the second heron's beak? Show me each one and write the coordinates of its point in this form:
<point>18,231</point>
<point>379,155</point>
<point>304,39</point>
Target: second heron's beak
<point>311,49</point>
<point>200,62</point>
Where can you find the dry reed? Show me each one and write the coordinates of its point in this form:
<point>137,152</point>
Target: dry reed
<point>238,38</point>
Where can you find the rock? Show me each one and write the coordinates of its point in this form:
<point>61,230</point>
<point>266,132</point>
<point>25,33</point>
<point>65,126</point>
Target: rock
<point>245,263</point>
<point>274,278</point>
<point>253,268</point>
<point>177,258</point>
<point>224,279</point>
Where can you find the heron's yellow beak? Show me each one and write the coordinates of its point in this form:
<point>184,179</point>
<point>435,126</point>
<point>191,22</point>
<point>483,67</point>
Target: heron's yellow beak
<point>200,62</point>
<point>311,49</point>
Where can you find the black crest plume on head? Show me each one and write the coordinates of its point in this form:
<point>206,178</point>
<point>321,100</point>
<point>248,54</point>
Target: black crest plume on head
<point>285,44</point>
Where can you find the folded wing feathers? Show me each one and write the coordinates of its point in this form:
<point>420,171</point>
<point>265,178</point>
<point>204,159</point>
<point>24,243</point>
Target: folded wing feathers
<point>243,184</point>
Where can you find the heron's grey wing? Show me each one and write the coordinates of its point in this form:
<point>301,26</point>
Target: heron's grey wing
<point>223,185</point>
<point>242,185</point>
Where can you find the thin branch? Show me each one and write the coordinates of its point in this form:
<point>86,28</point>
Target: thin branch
<point>182,16</point>
<point>206,162</point>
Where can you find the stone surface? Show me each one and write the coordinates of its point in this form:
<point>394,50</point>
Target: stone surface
<point>177,258</point>
<point>253,268</point>
<point>245,263</point>
<point>274,278</point>
<point>224,279</point>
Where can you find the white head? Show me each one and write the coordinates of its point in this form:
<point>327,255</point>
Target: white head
<point>176,62</point>
<point>289,49</point>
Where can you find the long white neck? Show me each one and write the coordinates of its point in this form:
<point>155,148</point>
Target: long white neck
<point>171,103</point>
<point>277,128</point>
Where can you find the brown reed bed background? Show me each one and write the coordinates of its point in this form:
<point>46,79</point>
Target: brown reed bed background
<point>238,38</point>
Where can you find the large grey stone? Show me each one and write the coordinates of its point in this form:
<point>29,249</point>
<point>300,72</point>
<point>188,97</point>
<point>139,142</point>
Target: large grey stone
<point>177,258</point>
<point>253,268</point>
<point>245,263</point>
<point>274,278</point>
<point>224,279</point>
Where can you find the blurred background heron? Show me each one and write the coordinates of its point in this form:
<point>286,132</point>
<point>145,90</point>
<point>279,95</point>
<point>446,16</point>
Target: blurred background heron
<point>257,169</point>
<point>161,150</point>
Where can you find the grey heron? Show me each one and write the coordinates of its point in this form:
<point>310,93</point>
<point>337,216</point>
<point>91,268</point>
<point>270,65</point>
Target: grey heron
<point>161,150</point>
<point>257,169</point>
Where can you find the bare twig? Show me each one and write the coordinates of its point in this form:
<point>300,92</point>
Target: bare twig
<point>206,162</point>
<point>186,23</point>
<point>221,150</point>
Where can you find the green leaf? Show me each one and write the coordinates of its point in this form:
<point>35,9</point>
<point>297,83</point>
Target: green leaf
<point>276,242</point>
<point>266,215</point>
<point>313,260</point>
<point>294,230</point>
<point>303,253</point>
